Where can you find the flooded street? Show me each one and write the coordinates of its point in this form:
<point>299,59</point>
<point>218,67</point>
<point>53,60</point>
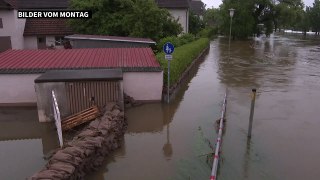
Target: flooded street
<point>170,141</point>
<point>286,128</point>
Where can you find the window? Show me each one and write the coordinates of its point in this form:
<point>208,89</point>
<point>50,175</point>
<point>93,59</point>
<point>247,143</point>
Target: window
<point>1,25</point>
<point>59,40</point>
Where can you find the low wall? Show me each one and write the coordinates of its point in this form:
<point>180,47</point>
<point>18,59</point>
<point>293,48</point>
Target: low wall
<point>17,89</point>
<point>87,151</point>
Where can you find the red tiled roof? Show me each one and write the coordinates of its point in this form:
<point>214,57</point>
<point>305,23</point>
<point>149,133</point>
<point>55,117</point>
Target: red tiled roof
<point>36,26</point>
<point>111,38</point>
<point>173,3</point>
<point>39,61</point>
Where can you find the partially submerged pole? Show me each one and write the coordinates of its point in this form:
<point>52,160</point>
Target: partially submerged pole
<point>219,139</point>
<point>251,112</point>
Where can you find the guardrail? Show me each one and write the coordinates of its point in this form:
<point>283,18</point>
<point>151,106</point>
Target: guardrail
<point>219,141</point>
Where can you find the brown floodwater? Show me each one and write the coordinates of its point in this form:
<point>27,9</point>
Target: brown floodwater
<point>171,141</point>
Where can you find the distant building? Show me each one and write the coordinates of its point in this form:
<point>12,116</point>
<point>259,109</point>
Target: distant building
<point>98,41</point>
<point>179,9</point>
<point>142,74</point>
<point>31,33</point>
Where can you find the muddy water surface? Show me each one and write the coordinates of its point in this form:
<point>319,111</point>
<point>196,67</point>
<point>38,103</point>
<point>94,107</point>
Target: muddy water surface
<point>168,141</point>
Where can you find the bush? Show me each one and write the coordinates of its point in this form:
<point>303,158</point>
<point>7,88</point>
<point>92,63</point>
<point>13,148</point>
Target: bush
<point>183,56</point>
<point>208,32</point>
<point>173,39</point>
<point>186,38</point>
<point>176,41</point>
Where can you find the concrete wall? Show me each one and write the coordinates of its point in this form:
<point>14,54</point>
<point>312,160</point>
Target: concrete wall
<point>143,86</point>
<point>30,42</point>
<point>183,16</point>
<point>81,43</point>
<point>17,88</point>
<point>13,27</point>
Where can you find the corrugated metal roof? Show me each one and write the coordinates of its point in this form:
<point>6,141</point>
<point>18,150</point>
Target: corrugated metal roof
<point>47,26</point>
<point>39,61</point>
<point>110,38</point>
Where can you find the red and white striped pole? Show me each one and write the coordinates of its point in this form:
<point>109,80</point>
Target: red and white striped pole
<point>219,139</point>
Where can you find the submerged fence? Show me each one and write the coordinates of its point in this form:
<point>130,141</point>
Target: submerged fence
<point>219,141</point>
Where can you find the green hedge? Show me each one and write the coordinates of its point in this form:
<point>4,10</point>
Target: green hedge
<point>183,56</point>
<point>208,32</point>
<point>176,41</point>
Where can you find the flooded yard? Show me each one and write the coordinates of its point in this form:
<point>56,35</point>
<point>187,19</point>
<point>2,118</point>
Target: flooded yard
<point>169,141</point>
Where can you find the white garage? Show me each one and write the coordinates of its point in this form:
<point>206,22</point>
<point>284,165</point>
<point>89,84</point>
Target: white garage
<point>142,74</point>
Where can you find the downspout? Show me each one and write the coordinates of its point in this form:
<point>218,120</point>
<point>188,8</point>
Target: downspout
<point>187,20</point>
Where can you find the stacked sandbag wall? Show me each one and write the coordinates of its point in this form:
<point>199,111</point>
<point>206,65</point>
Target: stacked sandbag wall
<point>88,149</point>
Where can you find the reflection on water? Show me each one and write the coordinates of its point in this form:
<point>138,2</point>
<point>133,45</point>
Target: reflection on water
<point>23,142</point>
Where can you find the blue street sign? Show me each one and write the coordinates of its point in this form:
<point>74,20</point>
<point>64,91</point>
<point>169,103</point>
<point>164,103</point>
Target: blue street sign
<point>168,48</point>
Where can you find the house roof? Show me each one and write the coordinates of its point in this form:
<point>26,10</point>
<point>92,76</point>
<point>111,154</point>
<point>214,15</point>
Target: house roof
<point>173,3</point>
<point>197,7</point>
<point>36,26</point>
<point>110,38</point>
<point>38,4</point>
<point>40,61</point>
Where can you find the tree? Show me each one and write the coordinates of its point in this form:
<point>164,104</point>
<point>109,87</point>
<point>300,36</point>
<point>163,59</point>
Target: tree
<point>287,13</point>
<point>212,17</point>
<point>315,16</point>
<point>136,18</point>
<point>195,23</point>
<point>243,20</point>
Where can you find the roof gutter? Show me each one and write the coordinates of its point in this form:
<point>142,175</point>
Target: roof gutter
<point>108,39</point>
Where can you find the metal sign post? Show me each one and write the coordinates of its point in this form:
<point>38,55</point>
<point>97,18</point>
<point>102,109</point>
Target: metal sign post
<point>251,112</point>
<point>168,49</point>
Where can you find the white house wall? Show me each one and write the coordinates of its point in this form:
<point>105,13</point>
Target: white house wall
<point>30,42</point>
<point>17,88</point>
<point>13,27</point>
<point>183,17</point>
<point>143,86</point>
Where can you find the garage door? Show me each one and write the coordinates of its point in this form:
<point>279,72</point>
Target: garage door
<point>5,43</point>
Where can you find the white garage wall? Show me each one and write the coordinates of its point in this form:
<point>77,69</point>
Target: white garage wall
<point>17,88</point>
<point>20,88</point>
<point>143,86</point>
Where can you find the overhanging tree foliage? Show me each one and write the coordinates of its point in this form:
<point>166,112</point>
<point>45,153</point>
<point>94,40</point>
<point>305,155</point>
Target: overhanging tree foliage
<point>136,18</point>
<point>195,23</point>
